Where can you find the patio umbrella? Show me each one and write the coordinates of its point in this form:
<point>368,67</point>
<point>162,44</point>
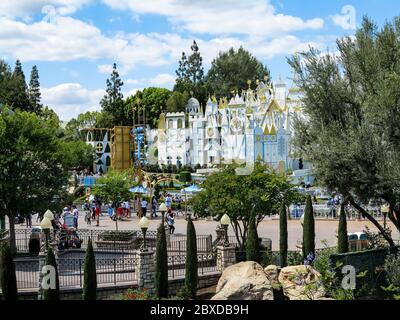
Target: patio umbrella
<point>138,189</point>
<point>192,189</point>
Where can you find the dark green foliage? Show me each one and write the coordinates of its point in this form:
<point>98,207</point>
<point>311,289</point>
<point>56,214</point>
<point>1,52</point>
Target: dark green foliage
<point>283,236</point>
<point>185,176</point>
<point>308,229</point>
<point>153,100</point>
<point>343,245</point>
<point>231,70</point>
<point>34,91</point>
<point>252,243</point>
<point>161,273</point>
<point>90,277</point>
<point>113,103</point>
<point>52,294</point>
<point>8,278</point>
<point>177,102</point>
<point>191,260</point>
<point>349,130</point>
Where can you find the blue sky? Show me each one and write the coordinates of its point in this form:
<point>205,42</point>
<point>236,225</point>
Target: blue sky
<point>75,42</point>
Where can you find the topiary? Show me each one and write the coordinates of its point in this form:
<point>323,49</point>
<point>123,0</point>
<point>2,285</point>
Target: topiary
<point>343,244</point>
<point>191,260</point>
<point>308,230</point>
<point>8,279</point>
<point>161,272</point>
<point>89,274</point>
<point>252,243</point>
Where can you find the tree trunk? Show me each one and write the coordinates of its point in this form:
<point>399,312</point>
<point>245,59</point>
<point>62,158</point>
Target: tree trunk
<point>11,221</point>
<point>365,214</point>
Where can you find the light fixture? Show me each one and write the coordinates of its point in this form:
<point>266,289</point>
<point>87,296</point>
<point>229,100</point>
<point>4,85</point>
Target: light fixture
<point>45,224</point>
<point>144,225</point>
<point>225,221</point>
<point>163,209</point>
<point>49,215</point>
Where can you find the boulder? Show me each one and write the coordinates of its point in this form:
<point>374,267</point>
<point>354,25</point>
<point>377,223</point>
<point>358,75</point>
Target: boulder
<point>244,281</point>
<point>301,283</point>
<point>272,272</point>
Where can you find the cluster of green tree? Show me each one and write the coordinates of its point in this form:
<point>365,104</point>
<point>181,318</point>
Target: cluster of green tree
<point>246,199</point>
<point>230,72</point>
<point>191,263</point>
<point>350,130</point>
<point>14,91</point>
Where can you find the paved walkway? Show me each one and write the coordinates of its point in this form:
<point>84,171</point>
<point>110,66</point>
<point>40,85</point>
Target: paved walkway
<point>269,228</point>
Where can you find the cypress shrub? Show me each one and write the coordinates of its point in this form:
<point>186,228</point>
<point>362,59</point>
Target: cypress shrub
<point>161,272</point>
<point>308,229</point>
<point>343,245</point>
<point>52,294</point>
<point>8,279</point>
<point>89,273</point>
<point>252,243</point>
<point>283,236</point>
<point>191,260</point>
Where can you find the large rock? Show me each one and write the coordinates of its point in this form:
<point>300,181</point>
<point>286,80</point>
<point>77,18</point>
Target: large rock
<point>244,281</point>
<point>272,272</point>
<point>301,283</point>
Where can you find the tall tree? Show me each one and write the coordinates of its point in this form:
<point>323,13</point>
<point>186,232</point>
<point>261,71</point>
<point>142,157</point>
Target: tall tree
<point>243,197</point>
<point>32,165</point>
<point>191,260</point>
<point>113,103</point>
<point>308,229</point>
<point>283,236</point>
<point>343,244</point>
<point>8,280</point>
<point>177,102</point>
<point>161,272</point>
<point>231,70</point>
<point>252,243</point>
<point>190,75</point>
<point>349,129</point>
<point>52,294</point>
<point>34,91</point>
<point>19,89</point>
<point>195,71</point>
<point>89,274</point>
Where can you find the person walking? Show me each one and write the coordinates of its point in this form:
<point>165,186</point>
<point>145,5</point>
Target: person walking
<point>168,201</point>
<point>28,220</point>
<point>128,208</point>
<point>143,205</point>
<point>110,210</point>
<point>120,211</point>
<point>97,214</point>
<point>154,205</point>
<point>170,221</point>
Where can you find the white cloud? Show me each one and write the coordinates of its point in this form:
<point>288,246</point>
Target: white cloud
<point>163,80</point>
<point>70,99</point>
<point>131,81</point>
<point>26,8</point>
<point>105,68</point>
<point>346,20</point>
<point>253,17</point>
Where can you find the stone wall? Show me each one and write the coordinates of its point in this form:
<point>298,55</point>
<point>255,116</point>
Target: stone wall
<point>204,281</point>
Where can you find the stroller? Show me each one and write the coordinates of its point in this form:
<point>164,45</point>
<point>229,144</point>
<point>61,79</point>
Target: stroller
<point>69,238</point>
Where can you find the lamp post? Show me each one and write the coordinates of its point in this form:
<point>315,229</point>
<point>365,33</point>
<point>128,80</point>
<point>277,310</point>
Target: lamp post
<point>46,225</point>
<point>163,209</point>
<point>225,221</point>
<point>144,225</point>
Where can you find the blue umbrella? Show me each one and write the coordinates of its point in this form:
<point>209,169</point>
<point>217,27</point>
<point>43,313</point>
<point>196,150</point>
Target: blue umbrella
<point>191,189</point>
<point>138,189</point>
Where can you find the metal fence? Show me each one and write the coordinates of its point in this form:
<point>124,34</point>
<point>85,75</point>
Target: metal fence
<point>177,242</point>
<point>206,263</point>
<point>109,270</point>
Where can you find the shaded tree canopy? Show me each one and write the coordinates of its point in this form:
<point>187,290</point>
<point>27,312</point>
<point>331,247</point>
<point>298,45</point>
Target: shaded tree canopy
<point>351,105</point>
<point>231,70</point>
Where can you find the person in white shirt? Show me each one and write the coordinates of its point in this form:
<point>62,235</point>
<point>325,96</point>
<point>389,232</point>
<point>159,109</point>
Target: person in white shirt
<point>143,205</point>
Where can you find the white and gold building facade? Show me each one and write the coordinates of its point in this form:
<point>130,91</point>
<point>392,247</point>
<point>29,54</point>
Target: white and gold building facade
<point>255,125</point>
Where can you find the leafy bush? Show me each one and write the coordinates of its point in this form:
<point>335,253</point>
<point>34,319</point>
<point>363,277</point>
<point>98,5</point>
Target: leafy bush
<point>329,276</point>
<point>132,294</point>
<point>294,258</point>
<point>392,271</point>
<point>375,239</point>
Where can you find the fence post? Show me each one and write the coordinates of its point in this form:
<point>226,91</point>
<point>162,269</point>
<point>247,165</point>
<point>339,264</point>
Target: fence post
<point>115,270</point>
<point>145,270</point>
<point>80,272</point>
<point>226,257</point>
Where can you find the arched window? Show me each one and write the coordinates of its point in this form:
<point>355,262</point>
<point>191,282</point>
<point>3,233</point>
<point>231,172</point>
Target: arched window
<point>108,161</point>
<point>170,124</point>
<point>179,123</point>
